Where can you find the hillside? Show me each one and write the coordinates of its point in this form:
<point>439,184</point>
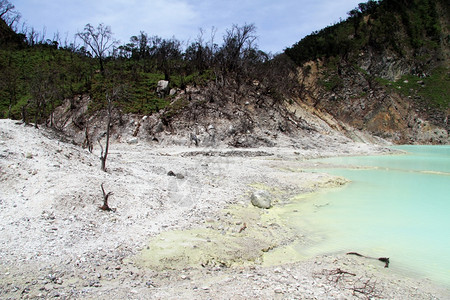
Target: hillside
<point>385,70</point>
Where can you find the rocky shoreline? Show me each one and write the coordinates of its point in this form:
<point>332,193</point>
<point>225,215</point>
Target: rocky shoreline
<point>56,242</point>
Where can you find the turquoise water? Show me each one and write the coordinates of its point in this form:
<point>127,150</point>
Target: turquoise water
<point>396,206</point>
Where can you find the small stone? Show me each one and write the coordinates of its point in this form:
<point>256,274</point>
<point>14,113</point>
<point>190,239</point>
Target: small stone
<point>52,277</point>
<point>180,176</point>
<point>133,141</point>
<point>29,155</point>
<point>94,283</point>
<point>55,295</point>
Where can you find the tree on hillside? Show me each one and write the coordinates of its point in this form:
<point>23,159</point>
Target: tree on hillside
<point>7,13</point>
<point>167,53</point>
<point>100,40</point>
<point>238,42</point>
<point>39,89</point>
<point>140,46</point>
<point>9,81</point>
<point>46,90</point>
<point>5,7</point>
<point>200,53</point>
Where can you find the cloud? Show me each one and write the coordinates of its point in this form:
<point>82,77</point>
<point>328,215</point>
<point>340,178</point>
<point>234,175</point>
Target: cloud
<point>127,18</point>
<point>279,23</point>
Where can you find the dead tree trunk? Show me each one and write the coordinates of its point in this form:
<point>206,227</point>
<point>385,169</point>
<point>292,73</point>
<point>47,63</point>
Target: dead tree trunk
<point>87,141</point>
<point>24,114</point>
<point>104,155</point>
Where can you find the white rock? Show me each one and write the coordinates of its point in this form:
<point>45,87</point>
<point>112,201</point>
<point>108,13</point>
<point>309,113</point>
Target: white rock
<point>133,141</point>
<point>261,199</point>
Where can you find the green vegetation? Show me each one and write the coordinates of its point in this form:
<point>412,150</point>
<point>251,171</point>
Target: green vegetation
<point>434,88</point>
<point>409,32</point>
<point>40,72</point>
<point>388,24</point>
<point>37,74</point>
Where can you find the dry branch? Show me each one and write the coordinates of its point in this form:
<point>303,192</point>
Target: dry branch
<point>105,205</point>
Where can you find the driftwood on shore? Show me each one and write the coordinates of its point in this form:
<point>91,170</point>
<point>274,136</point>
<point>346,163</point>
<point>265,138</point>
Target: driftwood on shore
<point>383,259</point>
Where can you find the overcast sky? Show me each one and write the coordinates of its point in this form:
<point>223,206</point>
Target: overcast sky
<point>279,23</point>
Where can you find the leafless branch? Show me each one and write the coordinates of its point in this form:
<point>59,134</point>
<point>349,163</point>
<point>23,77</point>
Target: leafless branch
<point>105,205</point>
<point>366,288</point>
<point>100,40</point>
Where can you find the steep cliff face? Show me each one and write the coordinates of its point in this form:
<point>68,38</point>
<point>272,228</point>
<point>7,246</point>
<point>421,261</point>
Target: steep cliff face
<point>356,98</point>
<point>391,80</point>
<point>209,116</point>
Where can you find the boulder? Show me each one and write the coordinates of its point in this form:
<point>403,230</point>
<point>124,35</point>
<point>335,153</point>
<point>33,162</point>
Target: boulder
<point>261,199</point>
<point>159,127</point>
<point>162,88</point>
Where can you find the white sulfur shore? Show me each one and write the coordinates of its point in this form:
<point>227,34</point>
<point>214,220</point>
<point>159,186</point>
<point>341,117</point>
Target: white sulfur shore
<point>56,242</point>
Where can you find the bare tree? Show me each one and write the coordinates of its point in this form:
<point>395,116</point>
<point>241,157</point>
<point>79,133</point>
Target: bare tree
<point>110,97</point>
<point>33,36</point>
<point>5,8</point>
<point>200,53</point>
<point>8,14</point>
<point>167,53</point>
<point>99,39</point>
<point>238,43</point>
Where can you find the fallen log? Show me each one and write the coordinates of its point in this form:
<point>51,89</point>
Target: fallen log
<point>383,259</point>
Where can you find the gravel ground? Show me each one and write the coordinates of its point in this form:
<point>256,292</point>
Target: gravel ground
<point>56,242</point>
